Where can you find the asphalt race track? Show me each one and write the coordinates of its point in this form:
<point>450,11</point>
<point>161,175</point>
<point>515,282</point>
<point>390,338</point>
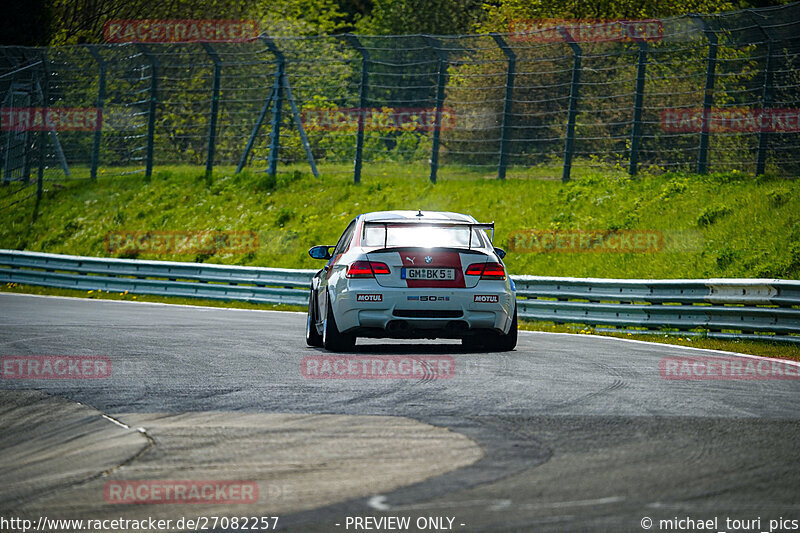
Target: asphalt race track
<point>567,433</point>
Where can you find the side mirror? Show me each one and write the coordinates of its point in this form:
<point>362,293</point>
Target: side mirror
<point>500,252</point>
<point>321,252</point>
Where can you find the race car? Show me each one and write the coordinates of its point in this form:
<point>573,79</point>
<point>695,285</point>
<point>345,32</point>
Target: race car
<point>410,275</point>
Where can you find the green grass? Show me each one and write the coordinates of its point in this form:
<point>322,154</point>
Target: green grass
<point>720,225</point>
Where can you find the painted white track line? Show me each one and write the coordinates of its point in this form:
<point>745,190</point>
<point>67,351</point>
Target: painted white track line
<point>649,343</point>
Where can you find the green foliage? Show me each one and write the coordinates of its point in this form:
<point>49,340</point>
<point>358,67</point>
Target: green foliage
<point>81,21</point>
<point>26,23</point>
<point>712,214</point>
<point>778,197</point>
<point>501,13</point>
<point>403,17</point>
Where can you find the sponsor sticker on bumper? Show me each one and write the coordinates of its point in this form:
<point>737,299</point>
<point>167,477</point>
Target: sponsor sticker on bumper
<point>486,298</point>
<point>369,297</point>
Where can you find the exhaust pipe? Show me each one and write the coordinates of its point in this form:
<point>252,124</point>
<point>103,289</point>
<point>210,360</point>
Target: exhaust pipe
<point>456,326</point>
<point>396,326</point>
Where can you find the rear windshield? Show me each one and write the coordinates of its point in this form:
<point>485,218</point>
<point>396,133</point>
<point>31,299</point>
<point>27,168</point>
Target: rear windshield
<point>424,236</point>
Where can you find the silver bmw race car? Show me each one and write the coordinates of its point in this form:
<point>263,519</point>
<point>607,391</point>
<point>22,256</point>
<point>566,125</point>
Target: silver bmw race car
<point>412,274</point>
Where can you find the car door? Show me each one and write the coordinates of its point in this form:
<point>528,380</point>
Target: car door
<point>327,270</point>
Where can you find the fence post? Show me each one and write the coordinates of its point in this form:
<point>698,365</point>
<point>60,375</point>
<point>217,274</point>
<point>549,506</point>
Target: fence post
<point>708,95</point>
<point>151,118</point>
<point>300,129</point>
<point>275,124</point>
<point>284,80</point>
<point>507,103</point>
<point>261,116</point>
<point>574,87</point>
<point>40,170</point>
<point>212,119</point>
<point>101,98</point>
<point>44,95</point>
<point>636,133</point>
<point>766,98</point>
<point>441,79</point>
<point>362,103</point>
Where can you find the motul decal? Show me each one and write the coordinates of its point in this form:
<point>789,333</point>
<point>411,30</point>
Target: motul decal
<point>369,297</point>
<point>486,298</point>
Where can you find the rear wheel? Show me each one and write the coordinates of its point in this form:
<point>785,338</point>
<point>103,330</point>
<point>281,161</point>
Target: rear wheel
<point>332,339</point>
<point>313,338</point>
<point>508,341</point>
<point>492,341</point>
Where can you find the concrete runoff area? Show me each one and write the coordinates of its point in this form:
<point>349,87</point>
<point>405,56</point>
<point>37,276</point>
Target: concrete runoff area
<point>59,456</point>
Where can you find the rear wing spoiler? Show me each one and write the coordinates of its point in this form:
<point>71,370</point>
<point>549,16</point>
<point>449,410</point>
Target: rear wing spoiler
<point>439,224</point>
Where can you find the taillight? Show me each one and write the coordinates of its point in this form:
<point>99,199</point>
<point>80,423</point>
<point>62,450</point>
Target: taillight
<point>475,269</point>
<point>487,271</point>
<point>379,268</point>
<point>366,269</point>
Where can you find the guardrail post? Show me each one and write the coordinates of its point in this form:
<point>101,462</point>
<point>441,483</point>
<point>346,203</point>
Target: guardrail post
<point>507,104</point>
<point>574,87</point>
<point>151,117</point>
<point>212,119</point>
<point>766,98</point>
<point>362,103</point>
<point>708,94</point>
<point>636,133</point>
<point>441,79</point>
<point>101,98</point>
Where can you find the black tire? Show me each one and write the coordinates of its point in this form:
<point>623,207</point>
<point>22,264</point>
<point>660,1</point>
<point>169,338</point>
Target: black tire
<point>507,342</point>
<point>332,339</point>
<point>492,341</point>
<point>313,338</point>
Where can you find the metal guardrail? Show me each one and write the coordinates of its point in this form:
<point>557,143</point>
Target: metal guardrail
<point>725,308</point>
<point>737,308</point>
<point>162,278</point>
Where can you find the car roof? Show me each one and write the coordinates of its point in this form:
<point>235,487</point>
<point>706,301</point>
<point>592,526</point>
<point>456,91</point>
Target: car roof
<point>414,215</point>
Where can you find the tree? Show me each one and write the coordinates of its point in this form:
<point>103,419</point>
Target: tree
<point>26,23</point>
<point>402,17</point>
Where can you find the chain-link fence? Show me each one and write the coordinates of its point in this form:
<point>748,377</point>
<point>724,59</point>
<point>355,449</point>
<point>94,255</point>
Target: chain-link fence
<point>697,93</point>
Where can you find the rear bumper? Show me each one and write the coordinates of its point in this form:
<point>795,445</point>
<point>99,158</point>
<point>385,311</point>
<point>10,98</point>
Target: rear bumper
<point>369,310</point>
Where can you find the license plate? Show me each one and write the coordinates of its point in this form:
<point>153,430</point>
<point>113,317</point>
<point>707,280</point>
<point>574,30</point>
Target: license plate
<point>428,273</point>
